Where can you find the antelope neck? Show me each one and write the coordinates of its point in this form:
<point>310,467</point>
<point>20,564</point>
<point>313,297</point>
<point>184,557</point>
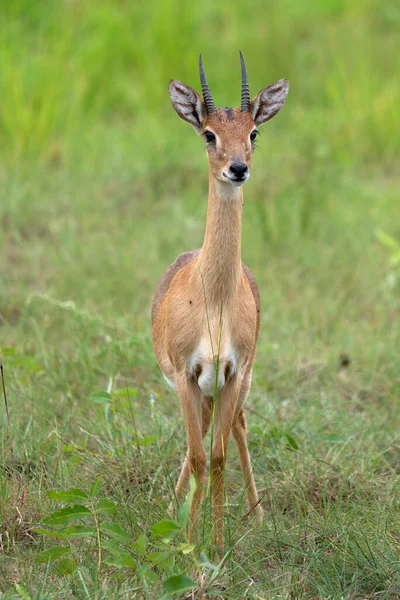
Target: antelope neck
<point>219,260</point>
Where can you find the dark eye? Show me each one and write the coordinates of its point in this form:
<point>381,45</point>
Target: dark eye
<point>210,137</point>
<point>253,135</point>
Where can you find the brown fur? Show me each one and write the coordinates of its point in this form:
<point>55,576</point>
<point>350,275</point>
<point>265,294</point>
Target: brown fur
<point>167,277</point>
<point>181,261</point>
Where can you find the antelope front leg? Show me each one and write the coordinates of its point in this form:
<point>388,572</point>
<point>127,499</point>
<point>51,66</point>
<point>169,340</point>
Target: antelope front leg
<point>195,462</point>
<point>184,476</point>
<point>240,436</point>
<point>224,415</point>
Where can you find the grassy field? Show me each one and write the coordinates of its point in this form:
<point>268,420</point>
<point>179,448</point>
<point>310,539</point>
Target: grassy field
<point>101,187</point>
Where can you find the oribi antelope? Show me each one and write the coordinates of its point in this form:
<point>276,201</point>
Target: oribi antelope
<point>206,310</point>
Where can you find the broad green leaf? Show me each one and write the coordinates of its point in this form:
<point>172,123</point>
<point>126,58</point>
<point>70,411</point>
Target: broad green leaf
<point>96,487</point>
<point>106,506</point>
<point>52,554</point>
<point>22,592</point>
<point>124,559</point>
<point>292,442</point>
<point>73,449</point>
<point>148,440</point>
<point>100,397</point>
<point>127,560</point>
<point>177,584</point>
<point>68,448</point>
<point>143,569</point>
<point>157,557</point>
<point>72,495</point>
<point>166,528</point>
<point>186,548</point>
<point>112,546</point>
<point>67,514</point>
<point>78,531</point>
<point>113,561</point>
<point>153,579</point>
<point>116,532</point>
<point>140,544</point>
<point>78,493</point>
<point>164,561</point>
<point>65,566</point>
<point>49,533</point>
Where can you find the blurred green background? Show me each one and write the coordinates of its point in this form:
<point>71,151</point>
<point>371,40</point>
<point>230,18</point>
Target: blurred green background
<point>93,156</point>
<point>101,186</point>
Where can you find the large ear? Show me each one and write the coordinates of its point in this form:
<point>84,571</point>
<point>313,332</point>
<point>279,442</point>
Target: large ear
<point>187,103</point>
<point>269,101</point>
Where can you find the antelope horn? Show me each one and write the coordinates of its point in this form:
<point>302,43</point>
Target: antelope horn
<point>208,101</point>
<point>245,106</point>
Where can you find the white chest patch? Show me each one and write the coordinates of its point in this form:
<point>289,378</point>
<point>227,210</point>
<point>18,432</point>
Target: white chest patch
<point>212,374</point>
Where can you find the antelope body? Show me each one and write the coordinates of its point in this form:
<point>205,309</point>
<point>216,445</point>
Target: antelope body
<point>206,310</point>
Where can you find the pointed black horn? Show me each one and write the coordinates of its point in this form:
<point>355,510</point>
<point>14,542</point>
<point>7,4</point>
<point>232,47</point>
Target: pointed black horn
<point>245,105</point>
<point>208,101</point>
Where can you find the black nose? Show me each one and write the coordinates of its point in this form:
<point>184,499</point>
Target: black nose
<point>239,170</point>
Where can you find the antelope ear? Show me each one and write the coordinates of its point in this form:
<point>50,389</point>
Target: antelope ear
<point>269,101</point>
<point>187,103</point>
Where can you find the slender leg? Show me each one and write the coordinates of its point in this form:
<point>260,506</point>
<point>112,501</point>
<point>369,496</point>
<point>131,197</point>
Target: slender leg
<point>239,434</point>
<point>184,476</point>
<point>224,415</point>
<point>191,403</point>
<point>206,416</point>
<point>182,484</point>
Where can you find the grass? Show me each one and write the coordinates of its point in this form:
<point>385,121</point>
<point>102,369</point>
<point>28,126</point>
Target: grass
<point>101,187</point>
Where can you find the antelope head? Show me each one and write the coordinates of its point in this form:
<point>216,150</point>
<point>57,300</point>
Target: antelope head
<point>229,133</point>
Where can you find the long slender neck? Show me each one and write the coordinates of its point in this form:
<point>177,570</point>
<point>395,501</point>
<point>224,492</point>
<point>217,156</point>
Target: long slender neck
<point>220,257</point>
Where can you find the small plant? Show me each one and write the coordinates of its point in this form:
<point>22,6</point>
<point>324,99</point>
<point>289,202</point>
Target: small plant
<point>89,517</point>
<point>95,518</point>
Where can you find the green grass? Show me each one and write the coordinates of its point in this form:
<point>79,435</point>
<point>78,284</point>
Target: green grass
<point>101,187</point>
